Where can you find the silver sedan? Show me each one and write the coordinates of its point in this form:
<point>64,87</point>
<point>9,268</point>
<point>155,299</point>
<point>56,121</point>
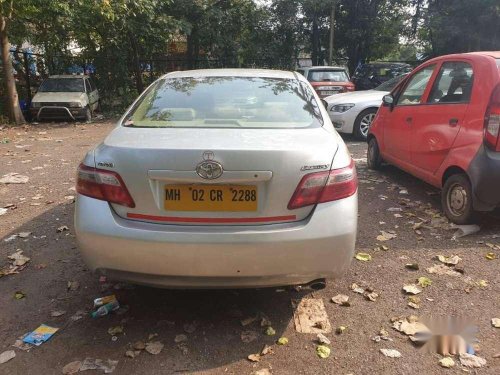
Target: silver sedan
<point>220,179</point>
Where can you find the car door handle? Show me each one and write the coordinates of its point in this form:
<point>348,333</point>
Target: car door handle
<point>453,122</point>
<point>409,120</point>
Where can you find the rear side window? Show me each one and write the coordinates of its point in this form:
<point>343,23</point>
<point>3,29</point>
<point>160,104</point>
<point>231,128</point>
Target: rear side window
<point>228,102</point>
<point>453,83</point>
<point>414,90</point>
<point>327,76</point>
<point>87,86</point>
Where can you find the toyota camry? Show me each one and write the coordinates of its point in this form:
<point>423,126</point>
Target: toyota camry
<point>220,179</point>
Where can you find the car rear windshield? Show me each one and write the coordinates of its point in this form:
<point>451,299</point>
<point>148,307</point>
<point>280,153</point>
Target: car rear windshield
<point>62,85</point>
<point>327,75</point>
<point>229,102</point>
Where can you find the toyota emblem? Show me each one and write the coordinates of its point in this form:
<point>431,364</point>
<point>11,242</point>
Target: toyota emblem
<point>209,169</point>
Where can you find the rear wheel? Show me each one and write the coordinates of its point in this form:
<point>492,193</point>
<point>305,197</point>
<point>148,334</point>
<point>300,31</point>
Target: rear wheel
<point>456,199</point>
<point>363,122</point>
<point>373,157</point>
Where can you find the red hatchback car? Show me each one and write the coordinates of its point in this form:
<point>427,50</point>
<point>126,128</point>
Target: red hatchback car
<point>441,124</point>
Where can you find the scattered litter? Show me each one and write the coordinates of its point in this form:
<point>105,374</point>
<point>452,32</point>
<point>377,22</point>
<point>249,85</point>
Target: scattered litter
<point>441,269</point>
<point>414,302</point>
<point>382,335</point>
<point>23,234</point>
<point>19,294</point>
<point>132,353</point>
<point>364,257</point>
<point>139,345</point>
<point>72,368</point>
<point>371,296</point>
<point>357,289</point>
<point>19,344</point>
<point>412,289</point>
<point>247,336</point>
<point>323,351</point>
<point>183,338</point>
<point>108,366</point>
<point>465,230</point>
<point>3,211</point>
<point>446,362</point>
<point>110,304</point>
<point>116,330</point>
<point>77,316</point>
<point>154,347</point>
<point>57,313</point>
<point>340,330</point>
<point>386,236</point>
<point>495,322</point>
<point>62,228</point>
<point>490,256</point>
<point>282,341</point>
<point>263,371</point>
<point>394,209</point>
<point>341,299</point>
<point>14,178</point>
<point>409,326</point>
<point>310,316</point>
<point>392,353</point>
<point>267,349</point>
<point>424,282</point>
<point>18,258</point>
<point>254,357</point>
<point>453,260</point>
<point>403,191</point>
<point>470,360</point>
<point>322,339</point>
<point>73,285</point>
<point>7,356</point>
<point>40,335</point>
<point>270,331</point>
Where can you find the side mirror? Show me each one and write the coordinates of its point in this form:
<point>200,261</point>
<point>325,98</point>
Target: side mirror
<point>388,100</point>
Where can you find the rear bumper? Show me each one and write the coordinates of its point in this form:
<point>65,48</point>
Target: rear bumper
<point>485,179</point>
<point>177,256</point>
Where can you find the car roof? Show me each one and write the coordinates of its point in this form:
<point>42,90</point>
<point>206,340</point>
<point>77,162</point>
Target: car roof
<point>494,54</point>
<point>478,54</point>
<point>263,73</point>
<point>323,67</point>
<point>381,63</point>
<point>68,76</point>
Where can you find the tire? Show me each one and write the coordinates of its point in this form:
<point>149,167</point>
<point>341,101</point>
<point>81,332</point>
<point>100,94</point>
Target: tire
<point>363,122</point>
<point>373,158</point>
<point>88,114</point>
<point>456,199</point>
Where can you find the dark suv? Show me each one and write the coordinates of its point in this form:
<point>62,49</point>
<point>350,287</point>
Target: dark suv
<point>369,76</point>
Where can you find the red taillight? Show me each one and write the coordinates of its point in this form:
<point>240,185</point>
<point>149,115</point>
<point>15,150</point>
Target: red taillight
<point>350,88</point>
<point>320,187</point>
<point>104,185</point>
<point>492,121</point>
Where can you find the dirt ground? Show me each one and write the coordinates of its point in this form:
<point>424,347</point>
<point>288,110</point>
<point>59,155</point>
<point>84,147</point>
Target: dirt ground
<point>49,155</point>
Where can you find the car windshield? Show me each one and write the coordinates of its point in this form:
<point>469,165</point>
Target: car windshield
<point>390,84</point>
<point>327,75</point>
<point>62,85</point>
<point>230,102</point>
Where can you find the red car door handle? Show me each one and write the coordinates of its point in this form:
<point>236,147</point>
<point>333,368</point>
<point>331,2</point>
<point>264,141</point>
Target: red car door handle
<point>409,120</point>
<point>453,122</point>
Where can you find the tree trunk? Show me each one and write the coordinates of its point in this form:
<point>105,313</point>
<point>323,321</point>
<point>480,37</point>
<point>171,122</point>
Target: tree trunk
<point>137,67</point>
<point>15,113</point>
<point>332,31</point>
<point>315,40</point>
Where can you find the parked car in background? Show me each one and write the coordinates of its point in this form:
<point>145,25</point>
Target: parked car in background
<point>65,97</point>
<point>353,112</point>
<point>446,131</point>
<point>369,76</point>
<point>327,80</point>
<point>216,179</point>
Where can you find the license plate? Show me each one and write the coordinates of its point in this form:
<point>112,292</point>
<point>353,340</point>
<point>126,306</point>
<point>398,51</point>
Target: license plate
<point>211,198</point>
<point>329,92</point>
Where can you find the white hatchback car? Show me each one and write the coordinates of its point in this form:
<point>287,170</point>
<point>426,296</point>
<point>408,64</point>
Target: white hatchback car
<point>217,179</point>
<point>353,112</point>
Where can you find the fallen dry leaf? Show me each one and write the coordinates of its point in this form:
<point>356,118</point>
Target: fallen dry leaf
<point>154,347</point>
<point>452,260</point>
<point>57,313</point>
<point>364,257</point>
<point>322,339</point>
<point>254,357</point>
<point>341,299</point>
<point>446,362</point>
<point>495,322</point>
<point>392,353</point>
<point>490,256</point>
<point>310,316</point>
<point>18,258</point>
<point>386,236</point>
<point>424,282</point>
<point>282,341</point>
<point>72,368</point>
<point>441,269</point>
<point>470,360</point>
<point>412,289</point>
<point>248,336</point>
<point>267,349</point>
<point>323,351</point>
<point>7,356</point>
